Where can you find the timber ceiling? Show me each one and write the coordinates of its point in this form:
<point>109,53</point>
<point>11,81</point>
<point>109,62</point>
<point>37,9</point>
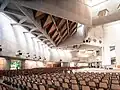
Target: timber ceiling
<point>50,29</point>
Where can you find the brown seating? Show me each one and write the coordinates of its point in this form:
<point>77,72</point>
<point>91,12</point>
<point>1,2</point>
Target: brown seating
<point>41,87</point>
<point>35,86</point>
<point>56,83</point>
<point>66,80</point>
<point>75,87</point>
<point>65,85</point>
<point>92,84</point>
<point>73,81</point>
<point>51,89</point>
<point>82,83</point>
<point>103,85</point>
<point>115,81</point>
<point>85,88</point>
<point>115,87</point>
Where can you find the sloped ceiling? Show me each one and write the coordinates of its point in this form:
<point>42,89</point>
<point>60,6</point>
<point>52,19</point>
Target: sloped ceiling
<point>51,22</point>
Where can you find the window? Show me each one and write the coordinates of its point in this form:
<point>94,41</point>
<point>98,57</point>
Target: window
<point>103,13</point>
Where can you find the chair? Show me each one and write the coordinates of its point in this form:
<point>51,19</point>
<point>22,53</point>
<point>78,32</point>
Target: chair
<point>51,89</point>
<point>92,84</point>
<point>60,80</point>
<point>96,80</point>
<point>100,89</point>
<point>41,87</point>
<point>43,81</point>
<point>35,86</point>
<point>115,82</point>
<point>82,83</point>
<point>115,87</point>
<point>103,85</point>
<point>66,80</point>
<point>105,81</point>
<point>87,79</point>
<point>29,84</point>
<point>65,85</point>
<point>85,88</point>
<point>73,81</point>
<point>75,87</point>
<point>49,82</point>
<point>56,83</point>
<point>38,80</point>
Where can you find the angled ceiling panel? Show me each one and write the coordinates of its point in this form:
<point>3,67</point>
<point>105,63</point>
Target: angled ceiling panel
<point>75,10</point>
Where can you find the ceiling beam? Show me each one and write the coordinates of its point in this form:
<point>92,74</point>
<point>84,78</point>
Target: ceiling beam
<point>34,29</point>
<point>39,36</point>
<point>68,29</point>
<point>75,10</point>
<point>23,20</point>
<point>55,25</point>
<point>13,12</point>
<point>4,5</point>
<point>24,25</point>
<point>29,14</point>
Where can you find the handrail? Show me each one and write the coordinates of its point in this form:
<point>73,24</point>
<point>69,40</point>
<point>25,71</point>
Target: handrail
<point>7,86</point>
<point>35,71</point>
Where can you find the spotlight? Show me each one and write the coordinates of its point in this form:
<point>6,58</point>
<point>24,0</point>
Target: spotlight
<point>19,53</point>
<point>0,48</point>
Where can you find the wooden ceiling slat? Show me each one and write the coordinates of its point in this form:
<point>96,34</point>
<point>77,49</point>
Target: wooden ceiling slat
<point>56,33</point>
<point>51,29</point>
<point>61,23</point>
<point>56,26</point>
<point>75,26</point>
<point>57,38</point>
<point>38,13</point>
<point>64,28</point>
<point>65,33</point>
<point>72,24</point>
<point>74,32</point>
<point>68,29</point>
<point>58,42</point>
<point>65,37</point>
<point>48,21</point>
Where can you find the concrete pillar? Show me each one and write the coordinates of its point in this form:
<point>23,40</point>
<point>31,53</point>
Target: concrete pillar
<point>106,56</point>
<point>117,49</point>
<point>7,63</point>
<point>23,64</point>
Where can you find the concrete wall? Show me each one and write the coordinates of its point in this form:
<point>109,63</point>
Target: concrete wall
<point>110,37</point>
<point>13,39</point>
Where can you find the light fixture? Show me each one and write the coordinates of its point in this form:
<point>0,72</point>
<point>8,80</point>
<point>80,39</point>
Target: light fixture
<point>19,53</point>
<point>0,48</point>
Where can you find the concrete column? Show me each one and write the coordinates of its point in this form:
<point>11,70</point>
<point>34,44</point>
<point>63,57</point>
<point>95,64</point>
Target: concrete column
<point>7,63</point>
<point>23,64</point>
<point>117,49</point>
<point>106,56</point>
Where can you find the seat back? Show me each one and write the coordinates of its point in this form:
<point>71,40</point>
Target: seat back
<point>103,85</point>
<point>115,87</point>
<point>82,83</point>
<point>65,85</point>
<point>85,88</point>
<point>57,83</point>
<point>35,86</point>
<point>75,87</point>
<point>92,84</point>
<point>41,87</point>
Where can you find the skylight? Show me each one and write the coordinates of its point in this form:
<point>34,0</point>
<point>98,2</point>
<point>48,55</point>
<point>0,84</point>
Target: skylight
<point>95,2</point>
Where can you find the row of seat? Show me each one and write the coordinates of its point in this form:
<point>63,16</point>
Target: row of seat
<point>72,81</point>
<point>35,71</point>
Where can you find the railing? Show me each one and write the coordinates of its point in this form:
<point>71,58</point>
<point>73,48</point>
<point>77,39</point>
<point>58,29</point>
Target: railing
<point>35,71</point>
<point>6,87</point>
